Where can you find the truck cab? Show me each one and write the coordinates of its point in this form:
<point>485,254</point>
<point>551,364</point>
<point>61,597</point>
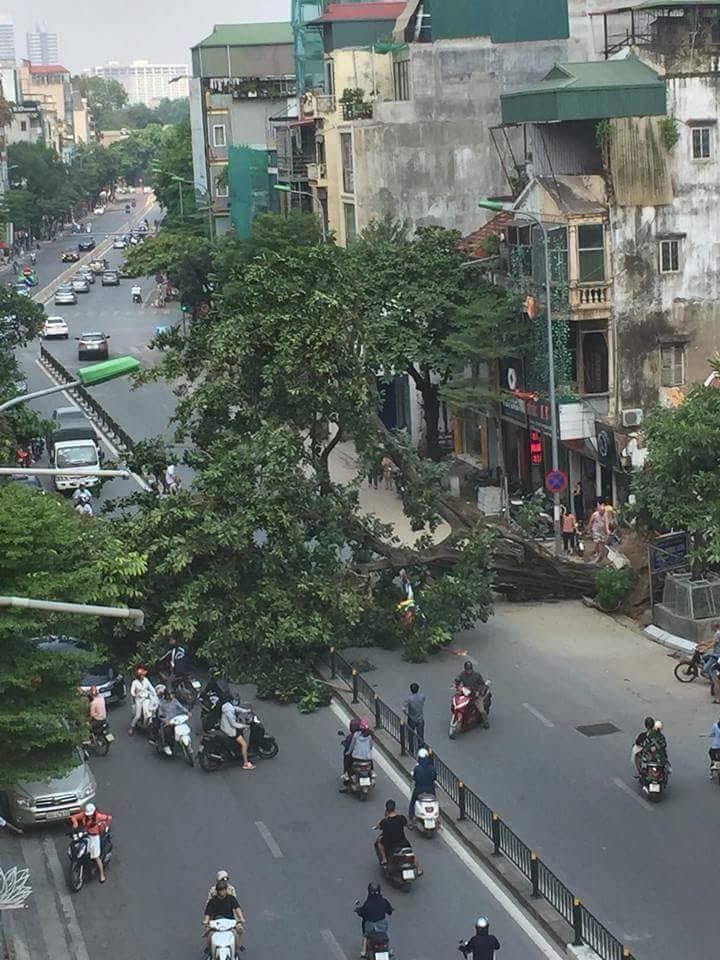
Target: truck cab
<point>73,447</point>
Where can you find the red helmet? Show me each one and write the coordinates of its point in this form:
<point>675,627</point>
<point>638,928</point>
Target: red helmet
<point>140,672</point>
<point>94,691</point>
<point>364,724</point>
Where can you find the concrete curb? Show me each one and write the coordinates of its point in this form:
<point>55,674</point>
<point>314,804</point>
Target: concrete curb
<point>502,870</point>
<point>669,640</point>
<point>7,936</point>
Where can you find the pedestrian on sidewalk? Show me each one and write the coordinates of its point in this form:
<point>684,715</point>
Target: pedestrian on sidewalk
<point>414,710</point>
<point>578,502</point>
<point>598,531</point>
<point>388,469</point>
<point>568,522</point>
<point>374,474</point>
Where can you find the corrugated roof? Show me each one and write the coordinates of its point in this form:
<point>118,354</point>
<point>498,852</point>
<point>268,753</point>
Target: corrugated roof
<point>379,10</point>
<point>595,75</point>
<point>247,35</point>
<point>45,68</point>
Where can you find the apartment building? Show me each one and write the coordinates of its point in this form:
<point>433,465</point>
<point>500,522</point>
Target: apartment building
<point>146,82</point>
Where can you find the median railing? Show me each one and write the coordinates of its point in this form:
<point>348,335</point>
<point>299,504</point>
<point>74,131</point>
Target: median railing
<point>85,399</point>
<point>587,929</point>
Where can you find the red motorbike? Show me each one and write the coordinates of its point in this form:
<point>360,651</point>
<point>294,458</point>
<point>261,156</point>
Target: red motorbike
<point>463,712</point>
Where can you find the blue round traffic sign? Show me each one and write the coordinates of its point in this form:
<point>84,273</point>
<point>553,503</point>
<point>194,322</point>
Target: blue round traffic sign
<point>556,481</point>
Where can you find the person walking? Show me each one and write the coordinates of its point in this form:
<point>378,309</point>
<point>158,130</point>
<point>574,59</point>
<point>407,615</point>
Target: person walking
<point>598,531</point>
<point>578,502</point>
<point>414,710</point>
<point>388,469</point>
<point>568,522</point>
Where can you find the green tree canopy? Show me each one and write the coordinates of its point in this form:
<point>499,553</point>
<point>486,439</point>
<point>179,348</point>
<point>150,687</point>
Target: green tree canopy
<point>104,96</point>
<point>134,154</point>
<point>81,561</point>
<point>173,161</point>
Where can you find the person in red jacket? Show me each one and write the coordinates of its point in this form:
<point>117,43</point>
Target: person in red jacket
<point>95,824</point>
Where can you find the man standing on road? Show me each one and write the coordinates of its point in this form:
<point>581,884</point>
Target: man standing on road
<point>413,709</point>
<point>483,945</point>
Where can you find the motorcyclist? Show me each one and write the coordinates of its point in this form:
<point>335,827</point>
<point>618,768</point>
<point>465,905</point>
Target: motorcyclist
<point>136,293</point>
<point>657,739</point>
<point>711,663</point>
<point>475,682</point>
<point>233,719</point>
<point>95,824</point>
<point>97,709</point>
<point>641,740</point>
<point>142,693</point>
<point>33,257</point>
<point>360,747</point>
<point>168,708</point>
<point>374,914</point>
<point>424,776</point>
<point>224,905</point>
<point>392,833</point>
<point>175,660</point>
<point>81,494</point>
<point>483,945</point>
<point>219,877</point>
<point>347,755</point>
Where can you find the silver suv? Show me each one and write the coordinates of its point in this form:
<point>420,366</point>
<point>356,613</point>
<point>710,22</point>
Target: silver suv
<point>29,804</point>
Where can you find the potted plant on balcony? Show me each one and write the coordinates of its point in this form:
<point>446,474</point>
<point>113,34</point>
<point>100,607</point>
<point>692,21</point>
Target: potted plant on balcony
<point>354,105</point>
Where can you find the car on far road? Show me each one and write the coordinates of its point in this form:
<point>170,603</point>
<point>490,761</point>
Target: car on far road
<point>65,295</point>
<point>102,674</point>
<point>99,210</point>
<point>86,243</point>
<point>98,265</point>
<point>110,278</point>
<point>80,284</point>
<point>87,273</point>
<point>119,243</point>
<point>93,346</point>
<point>29,804</point>
<point>70,256</point>
<point>55,327</point>
<point>22,289</point>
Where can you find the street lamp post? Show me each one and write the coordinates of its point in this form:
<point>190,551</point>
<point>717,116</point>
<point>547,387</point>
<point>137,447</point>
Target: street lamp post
<point>536,219</point>
<point>286,188</point>
<point>198,186</point>
<point>86,377</point>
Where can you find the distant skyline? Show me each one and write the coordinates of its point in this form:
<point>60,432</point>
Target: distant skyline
<point>161,31</point>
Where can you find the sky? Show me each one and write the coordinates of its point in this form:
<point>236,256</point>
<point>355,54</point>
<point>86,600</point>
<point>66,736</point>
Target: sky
<point>161,31</point>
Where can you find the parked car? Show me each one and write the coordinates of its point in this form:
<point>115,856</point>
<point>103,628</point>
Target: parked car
<point>119,243</point>
<point>99,265</point>
<point>65,295</point>
<point>28,804</point>
<point>80,284</point>
<point>55,327</point>
<point>101,674</point>
<point>86,243</point>
<point>110,278</point>
<point>93,346</point>
<point>70,256</point>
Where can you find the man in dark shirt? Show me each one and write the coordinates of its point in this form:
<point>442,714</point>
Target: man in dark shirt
<point>374,914</point>
<point>392,832</point>
<point>483,945</point>
<point>223,906</point>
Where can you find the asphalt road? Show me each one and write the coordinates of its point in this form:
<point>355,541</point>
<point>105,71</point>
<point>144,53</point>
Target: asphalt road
<point>299,853</point>
<point>646,871</point>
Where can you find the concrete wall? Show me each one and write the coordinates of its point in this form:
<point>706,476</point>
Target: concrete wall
<point>649,306</point>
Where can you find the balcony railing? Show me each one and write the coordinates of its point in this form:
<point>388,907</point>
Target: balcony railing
<point>591,296</point>
<point>317,171</point>
<point>357,111</point>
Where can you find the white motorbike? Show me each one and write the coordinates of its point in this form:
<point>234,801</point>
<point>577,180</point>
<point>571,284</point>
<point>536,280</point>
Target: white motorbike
<point>182,739</point>
<point>427,814</point>
<point>222,939</point>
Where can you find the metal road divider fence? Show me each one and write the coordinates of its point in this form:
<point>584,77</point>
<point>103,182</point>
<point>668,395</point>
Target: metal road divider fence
<point>544,884</point>
<point>85,399</point>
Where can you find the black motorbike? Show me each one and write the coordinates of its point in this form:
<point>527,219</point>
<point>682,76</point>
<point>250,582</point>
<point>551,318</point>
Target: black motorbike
<point>218,750</point>
<point>80,862</point>
<point>98,743</point>
<point>184,687</point>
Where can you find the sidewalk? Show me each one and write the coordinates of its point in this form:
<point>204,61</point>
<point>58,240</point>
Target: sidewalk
<point>384,504</point>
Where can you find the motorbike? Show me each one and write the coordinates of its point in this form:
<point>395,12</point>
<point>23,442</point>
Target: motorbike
<point>222,940</point>
<point>362,777</point>
<point>181,740</point>
<point>186,688</point>
<point>689,668</point>
<point>136,295</point>
<point>147,717</point>
<point>217,750</point>
<point>377,943</point>
<point>127,208</point>
<point>37,447</point>
<point>715,770</point>
<point>80,862</point>
<point>401,867</point>
<point>427,814</point>
<point>99,741</point>
<point>463,713</point>
<point>654,775</point>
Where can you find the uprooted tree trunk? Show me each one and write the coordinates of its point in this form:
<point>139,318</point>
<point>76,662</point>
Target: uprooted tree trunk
<point>523,570</point>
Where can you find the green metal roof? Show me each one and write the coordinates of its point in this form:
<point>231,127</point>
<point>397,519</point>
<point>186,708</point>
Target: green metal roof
<point>247,35</point>
<point>657,4</point>
<point>588,91</point>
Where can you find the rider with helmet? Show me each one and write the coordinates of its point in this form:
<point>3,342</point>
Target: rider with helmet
<point>233,720</point>
<point>475,682</point>
<point>97,709</point>
<point>483,945</point>
<point>141,691</point>
<point>95,824</point>
<point>374,914</point>
<point>424,776</point>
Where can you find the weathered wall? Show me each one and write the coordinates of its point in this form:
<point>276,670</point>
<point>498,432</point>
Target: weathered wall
<point>650,306</point>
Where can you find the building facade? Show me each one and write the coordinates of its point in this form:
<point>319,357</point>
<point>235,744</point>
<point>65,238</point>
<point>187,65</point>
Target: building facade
<point>146,82</point>
<point>49,88</point>
<point>7,38</point>
<point>242,76</point>
<point>42,46</point>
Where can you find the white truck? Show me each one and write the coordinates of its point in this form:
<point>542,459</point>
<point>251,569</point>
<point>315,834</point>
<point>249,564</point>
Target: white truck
<point>73,447</point>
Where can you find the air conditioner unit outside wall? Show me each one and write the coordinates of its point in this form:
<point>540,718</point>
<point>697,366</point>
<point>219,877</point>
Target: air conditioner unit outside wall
<point>632,418</point>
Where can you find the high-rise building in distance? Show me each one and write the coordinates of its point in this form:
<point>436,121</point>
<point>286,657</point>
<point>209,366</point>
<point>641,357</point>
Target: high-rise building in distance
<point>146,82</point>
<point>7,37</point>
<point>42,47</point>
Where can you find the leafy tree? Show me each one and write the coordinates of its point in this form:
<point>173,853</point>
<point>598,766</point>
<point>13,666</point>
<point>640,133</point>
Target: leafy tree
<point>22,320</point>
<point>41,178</point>
<point>134,154</point>
<point>92,169</point>
<point>104,97</point>
<point>171,111</point>
<point>174,160</point>
<point>182,255</point>
<point>80,561</point>
<point>680,486</point>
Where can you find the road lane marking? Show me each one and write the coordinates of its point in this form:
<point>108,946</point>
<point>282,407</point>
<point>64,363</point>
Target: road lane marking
<point>538,716</point>
<point>70,917</point>
<point>103,436</point>
<point>269,840</point>
<point>333,946</point>
<point>512,909</point>
<point>631,793</point>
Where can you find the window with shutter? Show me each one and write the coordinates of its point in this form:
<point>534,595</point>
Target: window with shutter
<point>672,364</point>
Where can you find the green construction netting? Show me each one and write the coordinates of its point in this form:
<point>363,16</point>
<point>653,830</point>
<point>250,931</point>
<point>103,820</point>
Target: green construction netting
<point>251,190</point>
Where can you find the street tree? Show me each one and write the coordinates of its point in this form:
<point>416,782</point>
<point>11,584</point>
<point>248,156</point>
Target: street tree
<point>173,175</point>
<point>180,254</point>
<point>104,96</point>
<point>82,561</point>
<point>21,322</point>
<point>134,154</point>
<point>38,174</point>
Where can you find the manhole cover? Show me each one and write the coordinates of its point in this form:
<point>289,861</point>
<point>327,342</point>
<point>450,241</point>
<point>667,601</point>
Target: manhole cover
<point>598,729</point>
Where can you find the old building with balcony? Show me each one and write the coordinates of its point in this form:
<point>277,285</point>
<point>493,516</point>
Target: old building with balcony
<point>242,75</point>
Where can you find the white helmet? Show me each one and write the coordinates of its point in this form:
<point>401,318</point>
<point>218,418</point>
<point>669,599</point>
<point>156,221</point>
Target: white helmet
<point>89,809</point>
<point>658,725</point>
<point>481,923</point>
<point>222,875</point>
<point>423,754</point>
